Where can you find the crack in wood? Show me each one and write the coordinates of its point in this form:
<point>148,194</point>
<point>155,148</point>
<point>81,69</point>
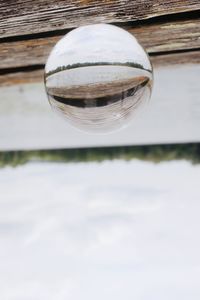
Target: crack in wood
<point>21,17</point>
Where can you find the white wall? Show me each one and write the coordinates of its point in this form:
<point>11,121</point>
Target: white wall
<point>172,116</point>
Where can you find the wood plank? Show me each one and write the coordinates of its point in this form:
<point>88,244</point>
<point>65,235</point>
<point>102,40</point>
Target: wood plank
<point>25,17</point>
<point>172,115</point>
<point>191,57</point>
<point>23,77</point>
<point>160,37</point>
<point>169,36</point>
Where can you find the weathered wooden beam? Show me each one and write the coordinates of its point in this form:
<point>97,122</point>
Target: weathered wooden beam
<point>159,37</point>
<point>169,36</point>
<point>25,17</point>
<point>22,77</point>
<point>191,57</point>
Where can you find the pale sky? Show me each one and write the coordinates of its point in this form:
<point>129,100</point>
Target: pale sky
<point>97,43</point>
<point>113,230</point>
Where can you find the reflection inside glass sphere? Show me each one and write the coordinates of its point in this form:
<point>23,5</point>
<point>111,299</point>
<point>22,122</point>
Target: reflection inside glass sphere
<point>97,76</point>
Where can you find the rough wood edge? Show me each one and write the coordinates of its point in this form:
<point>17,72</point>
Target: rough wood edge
<point>22,17</point>
<point>161,37</point>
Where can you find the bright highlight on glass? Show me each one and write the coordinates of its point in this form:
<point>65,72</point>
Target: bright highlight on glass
<point>97,76</point>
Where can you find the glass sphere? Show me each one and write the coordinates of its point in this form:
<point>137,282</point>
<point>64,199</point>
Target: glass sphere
<point>97,76</point>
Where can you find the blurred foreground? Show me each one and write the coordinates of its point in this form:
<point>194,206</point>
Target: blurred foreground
<point>154,153</point>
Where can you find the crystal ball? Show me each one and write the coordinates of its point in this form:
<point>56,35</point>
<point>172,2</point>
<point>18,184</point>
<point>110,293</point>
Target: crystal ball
<point>97,76</point>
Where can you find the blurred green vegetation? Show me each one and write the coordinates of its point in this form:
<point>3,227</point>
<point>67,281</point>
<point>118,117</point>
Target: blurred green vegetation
<point>154,153</point>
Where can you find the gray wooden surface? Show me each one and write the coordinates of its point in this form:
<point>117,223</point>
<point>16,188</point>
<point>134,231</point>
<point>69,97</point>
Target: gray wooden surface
<point>169,30</point>
<point>156,38</point>
<point>21,17</point>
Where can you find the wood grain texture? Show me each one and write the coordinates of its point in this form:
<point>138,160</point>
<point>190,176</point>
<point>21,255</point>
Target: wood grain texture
<point>163,60</point>
<point>24,17</point>
<point>160,37</point>
<point>192,57</point>
<point>21,78</point>
<point>169,36</point>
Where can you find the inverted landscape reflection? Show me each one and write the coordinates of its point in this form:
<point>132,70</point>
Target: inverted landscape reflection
<point>116,229</point>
